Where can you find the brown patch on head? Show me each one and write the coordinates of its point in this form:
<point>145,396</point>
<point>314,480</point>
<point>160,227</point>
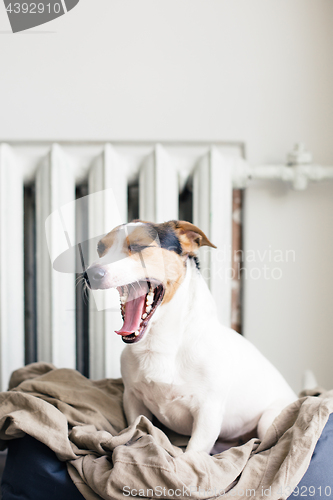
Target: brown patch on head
<point>106,242</point>
<point>191,237</point>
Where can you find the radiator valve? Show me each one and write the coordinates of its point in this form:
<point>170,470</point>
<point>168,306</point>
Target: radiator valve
<point>297,159</point>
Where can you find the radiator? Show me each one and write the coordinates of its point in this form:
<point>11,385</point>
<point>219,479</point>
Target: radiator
<point>44,313</point>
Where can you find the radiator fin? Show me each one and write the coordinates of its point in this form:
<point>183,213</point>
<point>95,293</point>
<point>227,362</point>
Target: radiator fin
<point>55,188</point>
<point>212,212</point>
<point>107,173</point>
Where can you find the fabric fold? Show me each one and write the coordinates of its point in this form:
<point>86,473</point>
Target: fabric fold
<point>83,422</point>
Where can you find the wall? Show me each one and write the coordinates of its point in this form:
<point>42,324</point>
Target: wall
<point>288,304</point>
<point>258,71</point>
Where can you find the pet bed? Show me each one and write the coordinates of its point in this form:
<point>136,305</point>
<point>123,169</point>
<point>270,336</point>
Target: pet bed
<point>81,422</point>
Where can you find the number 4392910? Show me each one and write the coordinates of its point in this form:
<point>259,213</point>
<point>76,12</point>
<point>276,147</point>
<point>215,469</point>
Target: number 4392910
<point>33,8</point>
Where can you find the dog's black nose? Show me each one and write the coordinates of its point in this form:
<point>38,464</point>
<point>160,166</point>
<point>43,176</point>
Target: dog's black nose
<point>94,276</point>
<point>98,274</point>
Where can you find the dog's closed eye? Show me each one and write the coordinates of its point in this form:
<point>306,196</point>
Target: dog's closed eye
<point>136,247</point>
<point>100,248</point>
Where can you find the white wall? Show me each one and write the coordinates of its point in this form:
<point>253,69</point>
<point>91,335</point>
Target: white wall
<point>257,71</point>
<point>288,305</point>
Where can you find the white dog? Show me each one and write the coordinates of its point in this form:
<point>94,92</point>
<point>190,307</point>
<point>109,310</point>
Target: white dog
<point>196,376</point>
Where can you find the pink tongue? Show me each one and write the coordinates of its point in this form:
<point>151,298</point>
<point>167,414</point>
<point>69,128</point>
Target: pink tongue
<point>133,313</point>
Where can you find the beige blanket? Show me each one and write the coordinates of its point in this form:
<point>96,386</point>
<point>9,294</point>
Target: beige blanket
<point>82,421</point>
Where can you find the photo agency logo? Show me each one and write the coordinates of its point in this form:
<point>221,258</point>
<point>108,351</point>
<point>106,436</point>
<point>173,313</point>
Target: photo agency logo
<point>25,15</point>
<point>104,269</point>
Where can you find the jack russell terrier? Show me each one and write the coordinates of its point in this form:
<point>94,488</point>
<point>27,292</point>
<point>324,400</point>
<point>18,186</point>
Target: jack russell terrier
<point>197,377</point>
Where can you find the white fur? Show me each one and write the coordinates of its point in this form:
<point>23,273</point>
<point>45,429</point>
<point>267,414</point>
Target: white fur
<point>198,377</point>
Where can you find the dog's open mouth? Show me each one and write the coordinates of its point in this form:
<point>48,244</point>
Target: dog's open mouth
<point>139,301</point>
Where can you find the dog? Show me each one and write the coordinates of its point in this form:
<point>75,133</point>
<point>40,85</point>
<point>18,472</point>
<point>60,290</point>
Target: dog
<point>197,377</point>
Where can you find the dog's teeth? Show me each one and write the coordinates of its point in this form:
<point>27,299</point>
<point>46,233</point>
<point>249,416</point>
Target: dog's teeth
<point>144,316</point>
<point>148,309</point>
<point>149,300</point>
<point>136,333</point>
<point>123,298</point>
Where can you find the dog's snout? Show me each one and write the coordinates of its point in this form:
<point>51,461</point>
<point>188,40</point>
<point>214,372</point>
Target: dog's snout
<point>98,274</point>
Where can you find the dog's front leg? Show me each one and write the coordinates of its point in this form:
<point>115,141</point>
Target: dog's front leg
<point>134,407</point>
<point>206,428</point>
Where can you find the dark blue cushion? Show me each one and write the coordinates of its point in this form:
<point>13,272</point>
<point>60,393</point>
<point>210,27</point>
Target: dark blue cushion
<point>33,472</point>
<point>317,482</point>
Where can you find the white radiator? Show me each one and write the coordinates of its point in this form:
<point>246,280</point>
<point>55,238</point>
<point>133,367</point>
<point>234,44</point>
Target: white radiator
<point>41,317</point>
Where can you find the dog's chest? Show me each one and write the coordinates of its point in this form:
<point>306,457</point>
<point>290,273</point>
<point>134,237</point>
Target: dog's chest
<point>170,403</point>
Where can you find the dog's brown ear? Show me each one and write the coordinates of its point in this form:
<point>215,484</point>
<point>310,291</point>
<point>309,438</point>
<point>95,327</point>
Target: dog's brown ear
<point>191,237</point>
